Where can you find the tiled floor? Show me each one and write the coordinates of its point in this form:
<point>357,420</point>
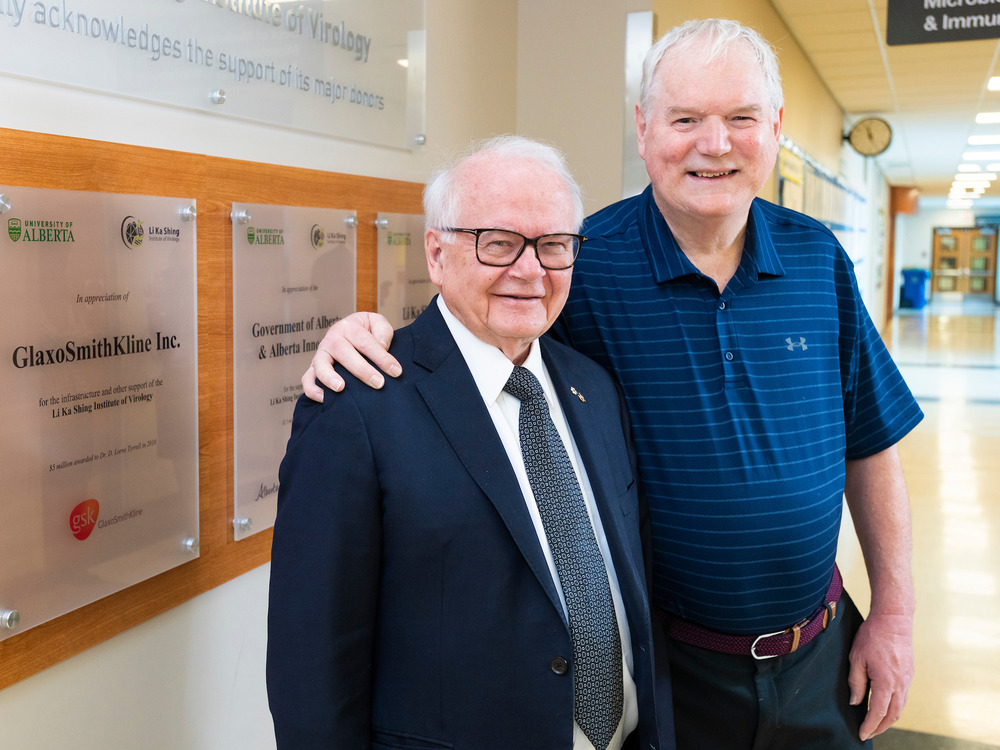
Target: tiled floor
<point>949,353</point>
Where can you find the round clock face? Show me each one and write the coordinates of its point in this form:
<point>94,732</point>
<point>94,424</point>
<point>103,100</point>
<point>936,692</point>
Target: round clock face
<point>871,136</point>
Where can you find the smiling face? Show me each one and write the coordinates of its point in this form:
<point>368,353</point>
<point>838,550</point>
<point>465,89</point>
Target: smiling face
<point>710,135</point>
<point>512,306</point>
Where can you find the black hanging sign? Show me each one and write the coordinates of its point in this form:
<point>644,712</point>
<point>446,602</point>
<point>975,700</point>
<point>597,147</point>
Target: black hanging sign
<point>928,21</point>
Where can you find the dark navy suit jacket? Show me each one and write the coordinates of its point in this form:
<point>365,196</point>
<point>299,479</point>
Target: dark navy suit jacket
<point>410,604</point>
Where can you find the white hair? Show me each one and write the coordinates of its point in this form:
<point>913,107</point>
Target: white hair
<point>442,199</point>
<point>719,34</point>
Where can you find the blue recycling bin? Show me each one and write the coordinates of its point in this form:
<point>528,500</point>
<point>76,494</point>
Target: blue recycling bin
<point>914,291</point>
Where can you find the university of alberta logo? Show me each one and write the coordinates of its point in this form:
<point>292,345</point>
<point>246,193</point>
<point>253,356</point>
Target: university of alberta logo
<point>801,344</point>
<point>14,229</point>
<point>250,234</point>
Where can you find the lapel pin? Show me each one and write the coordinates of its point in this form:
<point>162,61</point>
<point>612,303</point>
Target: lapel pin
<point>577,393</point>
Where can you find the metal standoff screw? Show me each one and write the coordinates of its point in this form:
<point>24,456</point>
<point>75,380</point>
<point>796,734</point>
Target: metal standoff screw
<point>190,544</point>
<point>189,213</point>
<point>351,221</point>
<point>381,223</point>
<point>243,524</point>
<point>420,140</point>
<point>218,96</point>
<point>10,619</point>
<point>241,216</point>
<point>4,203</point>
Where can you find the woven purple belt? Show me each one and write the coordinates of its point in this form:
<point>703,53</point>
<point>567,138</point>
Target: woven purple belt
<point>767,645</point>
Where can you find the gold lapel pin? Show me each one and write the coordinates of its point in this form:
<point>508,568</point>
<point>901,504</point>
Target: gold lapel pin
<point>577,393</point>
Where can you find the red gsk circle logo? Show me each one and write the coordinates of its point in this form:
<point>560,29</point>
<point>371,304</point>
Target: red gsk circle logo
<point>83,519</point>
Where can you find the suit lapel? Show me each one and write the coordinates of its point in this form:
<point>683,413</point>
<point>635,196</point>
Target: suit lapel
<point>450,392</point>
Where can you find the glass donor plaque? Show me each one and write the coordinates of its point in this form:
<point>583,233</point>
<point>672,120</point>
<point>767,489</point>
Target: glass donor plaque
<point>293,277</point>
<point>404,286</point>
<point>100,372</point>
<point>344,68</point>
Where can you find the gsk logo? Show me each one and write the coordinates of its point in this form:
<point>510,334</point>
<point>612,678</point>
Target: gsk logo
<point>83,519</point>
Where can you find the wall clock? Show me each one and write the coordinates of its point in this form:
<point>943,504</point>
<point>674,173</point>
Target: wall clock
<point>870,136</point>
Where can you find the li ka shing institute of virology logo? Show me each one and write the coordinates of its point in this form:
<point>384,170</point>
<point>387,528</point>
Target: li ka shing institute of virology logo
<point>319,237</point>
<point>136,233</point>
<point>132,232</point>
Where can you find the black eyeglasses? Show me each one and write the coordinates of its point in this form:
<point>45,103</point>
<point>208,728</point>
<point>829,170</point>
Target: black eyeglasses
<point>502,247</point>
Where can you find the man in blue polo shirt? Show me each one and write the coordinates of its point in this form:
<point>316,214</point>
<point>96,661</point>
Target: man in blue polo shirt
<point>760,395</point>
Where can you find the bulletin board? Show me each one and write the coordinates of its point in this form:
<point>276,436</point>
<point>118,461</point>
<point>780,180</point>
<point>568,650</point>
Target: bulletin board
<point>56,162</point>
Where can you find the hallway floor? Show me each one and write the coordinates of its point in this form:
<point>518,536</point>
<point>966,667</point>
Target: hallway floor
<point>949,353</point>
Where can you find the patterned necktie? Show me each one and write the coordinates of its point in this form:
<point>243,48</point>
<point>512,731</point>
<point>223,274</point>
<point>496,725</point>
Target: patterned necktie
<point>597,652</point>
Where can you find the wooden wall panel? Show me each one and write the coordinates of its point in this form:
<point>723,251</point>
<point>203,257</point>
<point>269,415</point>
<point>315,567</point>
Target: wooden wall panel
<point>56,162</point>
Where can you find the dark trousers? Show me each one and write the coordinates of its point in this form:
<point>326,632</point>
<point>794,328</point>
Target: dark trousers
<point>795,702</point>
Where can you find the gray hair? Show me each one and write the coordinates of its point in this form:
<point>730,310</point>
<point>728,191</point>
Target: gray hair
<point>442,199</point>
<point>720,34</point>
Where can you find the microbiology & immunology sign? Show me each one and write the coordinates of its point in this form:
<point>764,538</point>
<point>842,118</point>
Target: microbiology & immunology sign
<point>928,21</point>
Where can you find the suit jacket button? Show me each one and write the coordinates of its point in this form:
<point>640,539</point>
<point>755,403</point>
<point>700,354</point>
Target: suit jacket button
<point>559,665</point>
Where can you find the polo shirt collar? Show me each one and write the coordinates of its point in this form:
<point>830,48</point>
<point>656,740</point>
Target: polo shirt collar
<point>668,262</point>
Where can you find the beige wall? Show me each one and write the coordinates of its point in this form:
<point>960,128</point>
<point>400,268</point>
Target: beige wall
<point>570,76</point>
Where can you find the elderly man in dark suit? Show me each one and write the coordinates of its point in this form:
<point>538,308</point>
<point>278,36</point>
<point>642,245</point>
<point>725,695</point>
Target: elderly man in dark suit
<point>457,559</point>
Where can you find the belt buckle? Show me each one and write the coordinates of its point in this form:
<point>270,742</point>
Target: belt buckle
<point>758,639</point>
<point>795,630</point>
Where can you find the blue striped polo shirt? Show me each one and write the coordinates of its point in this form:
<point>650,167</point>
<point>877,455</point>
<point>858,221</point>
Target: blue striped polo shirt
<point>744,404</point>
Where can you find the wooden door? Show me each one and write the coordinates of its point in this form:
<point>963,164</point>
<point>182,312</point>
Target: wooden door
<point>964,260</point>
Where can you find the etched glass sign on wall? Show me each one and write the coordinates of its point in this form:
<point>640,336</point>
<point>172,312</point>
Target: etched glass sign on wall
<point>293,277</point>
<point>404,285</point>
<point>100,445</point>
<point>348,68</point>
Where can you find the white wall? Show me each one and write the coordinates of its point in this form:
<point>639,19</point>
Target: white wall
<point>191,678</point>
<point>864,178</point>
<point>915,234</point>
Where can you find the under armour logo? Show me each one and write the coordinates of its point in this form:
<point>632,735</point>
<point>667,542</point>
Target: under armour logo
<point>801,343</point>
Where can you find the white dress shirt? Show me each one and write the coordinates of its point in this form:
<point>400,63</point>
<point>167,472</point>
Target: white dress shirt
<point>491,370</point>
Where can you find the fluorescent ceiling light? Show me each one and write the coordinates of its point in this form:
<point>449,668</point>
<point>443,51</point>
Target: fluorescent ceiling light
<point>981,156</point>
<point>988,118</point>
<point>969,184</point>
<point>970,168</point>
<point>984,140</point>
<point>958,204</point>
<point>994,83</point>
<point>975,176</point>
<point>992,167</point>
